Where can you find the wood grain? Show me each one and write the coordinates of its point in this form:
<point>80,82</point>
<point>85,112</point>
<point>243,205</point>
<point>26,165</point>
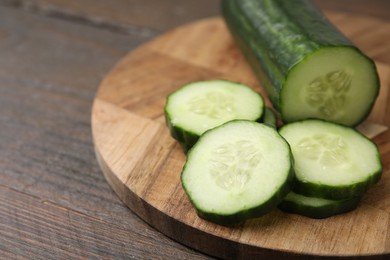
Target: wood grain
<point>142,16</point>
<point>153,15</point>
<point>142,162</point>
<point>54,201</point>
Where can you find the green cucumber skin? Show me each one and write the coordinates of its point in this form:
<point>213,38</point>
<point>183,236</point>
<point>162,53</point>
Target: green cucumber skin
<point>188,139</point>
<point>325,211</point>
<point>335,192</point>
<point>270,118</point>
<point>185,138</point>
<point>273,53</point>
<point>241,216</point>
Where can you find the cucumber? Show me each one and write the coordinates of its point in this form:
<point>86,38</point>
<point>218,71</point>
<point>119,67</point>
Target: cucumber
<point>317,208</point>
<point>308,68</point>
<point>332,161</point>
<point>200,106</point>
<point>237,171</point>
<point>270,118</point>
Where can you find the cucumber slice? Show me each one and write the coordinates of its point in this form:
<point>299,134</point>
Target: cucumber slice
<point>200,106</point>
<point>236,171</point>
<point>316,207</point>
<point>331,161</point>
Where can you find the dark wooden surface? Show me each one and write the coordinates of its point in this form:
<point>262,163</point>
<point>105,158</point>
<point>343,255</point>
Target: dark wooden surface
<point>54,201</point>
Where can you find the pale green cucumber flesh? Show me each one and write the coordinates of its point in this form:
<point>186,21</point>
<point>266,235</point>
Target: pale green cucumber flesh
<point>318,208</point>
<point>336,84</point>
<point>236,171</point>
<point>200,106</point>
<point>330,160</point>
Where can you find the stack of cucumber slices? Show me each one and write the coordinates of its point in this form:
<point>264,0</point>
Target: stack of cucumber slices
<point>240,165</point>
<point>334,165</point>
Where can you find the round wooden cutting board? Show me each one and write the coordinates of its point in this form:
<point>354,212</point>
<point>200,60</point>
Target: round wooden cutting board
<point>143,163</point>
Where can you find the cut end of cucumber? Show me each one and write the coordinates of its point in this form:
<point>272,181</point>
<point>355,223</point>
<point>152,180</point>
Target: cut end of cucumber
<point>230,176</point>
<point>337,84</point>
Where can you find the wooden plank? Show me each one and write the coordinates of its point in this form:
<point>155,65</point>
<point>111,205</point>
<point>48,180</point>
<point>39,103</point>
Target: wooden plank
<point>32,227</point>
<point>45,99</point>
<point>125,15</point>
<point>143,164</point>
<point>55,202</point>
<point>163,15</point>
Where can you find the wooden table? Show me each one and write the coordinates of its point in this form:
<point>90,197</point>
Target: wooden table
<point>54,200</point>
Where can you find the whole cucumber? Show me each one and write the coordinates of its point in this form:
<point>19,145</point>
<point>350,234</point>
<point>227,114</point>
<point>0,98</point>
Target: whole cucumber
<point>308,67</point>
